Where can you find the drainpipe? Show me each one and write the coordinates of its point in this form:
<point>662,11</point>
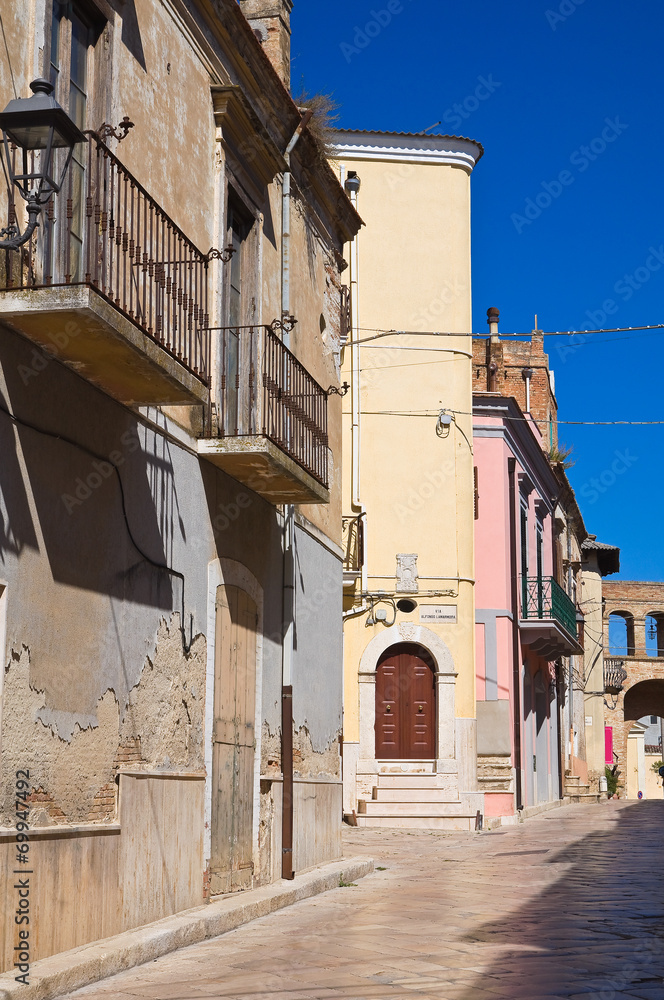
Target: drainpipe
<point>516,651</point>
<point>352,185</point>
<point>527,374</point>
<point>288,589</point>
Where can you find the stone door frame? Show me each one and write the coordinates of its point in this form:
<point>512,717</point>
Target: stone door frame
<point>445,676</point>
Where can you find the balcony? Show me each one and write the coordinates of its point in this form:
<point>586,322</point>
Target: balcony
<point>352,542</point>
<point>548,619</point>
<point>615,675</point>
<point>112,287</point>
<point>269,429</point>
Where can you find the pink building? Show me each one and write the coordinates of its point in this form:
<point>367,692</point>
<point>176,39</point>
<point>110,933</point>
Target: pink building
<point>525,622</point>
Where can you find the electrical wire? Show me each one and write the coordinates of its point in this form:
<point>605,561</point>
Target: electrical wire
<point>378,333</point>
<point>104,458</point>
<point>468,413</point>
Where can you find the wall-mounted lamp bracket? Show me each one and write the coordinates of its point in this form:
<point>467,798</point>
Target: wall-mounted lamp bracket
<point>286,324</point>
<point>119,132</point>
<point>339,390</point>
<point>223,255</point>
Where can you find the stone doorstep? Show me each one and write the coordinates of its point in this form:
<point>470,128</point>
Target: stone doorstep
<point>70,970</point>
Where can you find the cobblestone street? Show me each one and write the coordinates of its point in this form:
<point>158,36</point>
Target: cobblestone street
<point>569,904</point>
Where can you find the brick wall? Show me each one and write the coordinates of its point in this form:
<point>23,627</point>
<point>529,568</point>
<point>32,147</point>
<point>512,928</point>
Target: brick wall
<point>510,357</point>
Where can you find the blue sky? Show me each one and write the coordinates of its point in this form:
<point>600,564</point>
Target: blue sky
<point>568,201</point>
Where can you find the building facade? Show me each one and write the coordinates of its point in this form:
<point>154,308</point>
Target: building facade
<point>633,620</point>
<point>409,752</point>
<point>525,621</point>
<point>170,489</point>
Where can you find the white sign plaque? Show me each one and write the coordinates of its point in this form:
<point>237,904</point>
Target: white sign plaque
<point>443,613</point>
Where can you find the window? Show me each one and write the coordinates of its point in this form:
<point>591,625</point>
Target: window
<point>74,32</point>
<point>524,540</point>
<point>653,720</point>
<point>540,548</point>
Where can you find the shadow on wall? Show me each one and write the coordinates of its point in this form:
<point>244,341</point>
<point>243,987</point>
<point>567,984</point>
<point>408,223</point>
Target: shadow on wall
<point>16,528</point>
<point>598,929</point>
<point>88,478</point>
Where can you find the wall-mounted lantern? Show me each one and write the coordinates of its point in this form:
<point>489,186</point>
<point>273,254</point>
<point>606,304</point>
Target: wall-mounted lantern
<point>36,125</point>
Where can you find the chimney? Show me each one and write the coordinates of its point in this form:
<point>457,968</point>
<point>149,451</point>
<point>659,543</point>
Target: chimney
<point>492,317</point>
<point>270,20</point>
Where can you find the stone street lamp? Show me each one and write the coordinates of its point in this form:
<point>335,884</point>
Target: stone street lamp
<point>35,125</point>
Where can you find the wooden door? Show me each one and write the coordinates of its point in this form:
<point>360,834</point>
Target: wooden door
<point>405,705</point>
<point>234,743</point>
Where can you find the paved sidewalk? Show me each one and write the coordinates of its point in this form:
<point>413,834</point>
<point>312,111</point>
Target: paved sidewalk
<point>569,904</point>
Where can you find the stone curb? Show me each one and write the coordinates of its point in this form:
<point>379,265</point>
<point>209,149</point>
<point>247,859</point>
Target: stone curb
<point>70,970</point>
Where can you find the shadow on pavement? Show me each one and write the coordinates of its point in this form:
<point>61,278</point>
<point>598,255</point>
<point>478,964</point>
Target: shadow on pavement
<point>598,931</point>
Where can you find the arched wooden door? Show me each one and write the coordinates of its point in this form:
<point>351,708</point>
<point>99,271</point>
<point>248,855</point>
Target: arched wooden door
<point>234,743</point>
<point>405,704</point>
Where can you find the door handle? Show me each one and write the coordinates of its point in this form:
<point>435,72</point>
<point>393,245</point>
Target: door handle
<point>420,708</point>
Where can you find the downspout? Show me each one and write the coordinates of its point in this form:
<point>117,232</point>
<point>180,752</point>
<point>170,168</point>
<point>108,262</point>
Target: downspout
<point>516,651</point>
<point>288,587</point>
<point>352,185</point>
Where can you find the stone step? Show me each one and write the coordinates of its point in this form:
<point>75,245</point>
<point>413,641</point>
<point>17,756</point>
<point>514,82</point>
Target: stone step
<point>587,797</point>
<point>370,807</point>
<point>414,780</point>
<point>430,794</point>
<point>460,821</point>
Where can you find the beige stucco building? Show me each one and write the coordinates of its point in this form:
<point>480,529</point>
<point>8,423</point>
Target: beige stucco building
<point>409,697</point>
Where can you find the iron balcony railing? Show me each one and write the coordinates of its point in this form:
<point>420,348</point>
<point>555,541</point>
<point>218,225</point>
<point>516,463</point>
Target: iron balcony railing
<point>266,391</point>
<point>543,598</point>
<point>615,675</point>
<point>104,230</point>
<point>352,541</point>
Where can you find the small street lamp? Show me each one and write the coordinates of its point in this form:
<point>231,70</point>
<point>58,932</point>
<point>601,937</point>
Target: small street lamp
<point>35,124</point>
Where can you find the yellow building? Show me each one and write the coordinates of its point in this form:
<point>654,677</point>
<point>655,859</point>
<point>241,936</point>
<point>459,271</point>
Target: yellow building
<point>409,701</point>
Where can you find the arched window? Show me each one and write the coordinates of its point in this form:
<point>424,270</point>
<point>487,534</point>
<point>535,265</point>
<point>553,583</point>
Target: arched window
<point>655,633</point>
<point>621,633</point>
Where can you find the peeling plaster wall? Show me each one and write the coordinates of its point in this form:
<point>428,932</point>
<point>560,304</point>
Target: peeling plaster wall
<point>94,654</point>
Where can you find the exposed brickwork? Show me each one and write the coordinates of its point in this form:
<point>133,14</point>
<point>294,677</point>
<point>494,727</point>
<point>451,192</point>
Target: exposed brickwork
<point>129,752</point>
<point>510,358</point>
<point>103,805</point>
<point>638,598</point>
<point>41,801</point>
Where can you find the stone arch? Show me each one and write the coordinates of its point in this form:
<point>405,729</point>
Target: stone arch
<point>445,683</point>
<point>644,698</point>
<point>626,647</point>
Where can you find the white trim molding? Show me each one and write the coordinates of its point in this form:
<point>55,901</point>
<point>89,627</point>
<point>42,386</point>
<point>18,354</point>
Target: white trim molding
<point>398,147</point>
